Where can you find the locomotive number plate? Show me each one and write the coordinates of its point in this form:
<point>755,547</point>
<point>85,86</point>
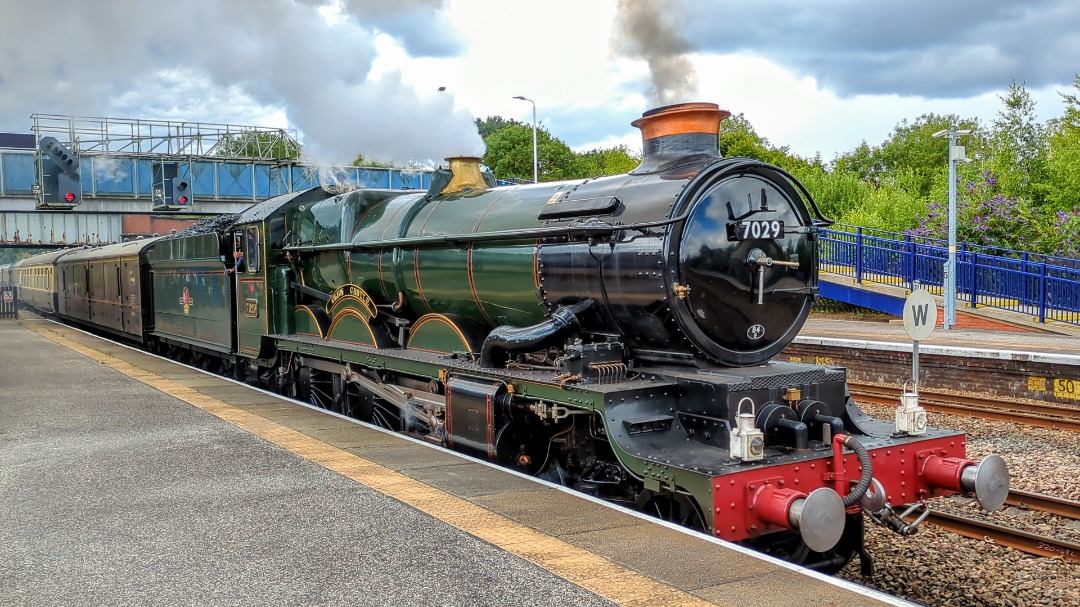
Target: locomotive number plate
<point>252,306</point>
<point>755,230</point>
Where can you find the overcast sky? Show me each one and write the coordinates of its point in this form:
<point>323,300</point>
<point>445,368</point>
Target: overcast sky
<point>362,76</point>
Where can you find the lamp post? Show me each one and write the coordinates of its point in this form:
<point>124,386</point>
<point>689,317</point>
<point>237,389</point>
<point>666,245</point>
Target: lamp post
<point>536,164</point>
<point>956,154</point>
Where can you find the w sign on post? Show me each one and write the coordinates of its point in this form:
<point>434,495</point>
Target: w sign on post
<point>920,315</point>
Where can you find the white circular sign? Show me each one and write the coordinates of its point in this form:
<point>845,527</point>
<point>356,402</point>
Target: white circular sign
<point>920,314</point>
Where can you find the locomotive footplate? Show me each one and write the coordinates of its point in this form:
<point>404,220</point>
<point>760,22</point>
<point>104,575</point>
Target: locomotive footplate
<point>527,380</point>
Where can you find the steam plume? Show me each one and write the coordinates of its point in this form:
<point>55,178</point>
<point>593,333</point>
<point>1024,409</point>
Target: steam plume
<point>644,29</point>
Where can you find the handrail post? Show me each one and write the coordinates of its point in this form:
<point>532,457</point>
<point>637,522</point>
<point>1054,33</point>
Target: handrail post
<point>909,267</point>
<point>858,255</point>
<point>974,279</point>
<point>1042,292</point>
<point>1024,277</point>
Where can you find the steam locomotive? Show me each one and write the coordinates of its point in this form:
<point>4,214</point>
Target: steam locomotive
<point>613,335</point>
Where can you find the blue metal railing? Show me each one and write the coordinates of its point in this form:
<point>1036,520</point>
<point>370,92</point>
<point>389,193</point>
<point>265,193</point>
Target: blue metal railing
<point>1044,286</point>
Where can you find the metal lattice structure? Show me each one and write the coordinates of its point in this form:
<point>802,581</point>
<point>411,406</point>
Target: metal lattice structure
<point>167,138</point>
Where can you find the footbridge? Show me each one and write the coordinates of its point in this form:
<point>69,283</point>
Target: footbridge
<point>121,163</point>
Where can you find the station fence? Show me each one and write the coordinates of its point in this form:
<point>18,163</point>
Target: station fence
<point>1044,286</point>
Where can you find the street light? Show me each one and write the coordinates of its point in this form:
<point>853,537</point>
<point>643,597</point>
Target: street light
<point>956,154</point>
<point>536,164</point>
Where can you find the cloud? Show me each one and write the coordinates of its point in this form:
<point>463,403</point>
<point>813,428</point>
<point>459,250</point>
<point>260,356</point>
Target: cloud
<point>414,23</point>
<point>101,58</point>
<point>361,76</point>
<point>921,47</point>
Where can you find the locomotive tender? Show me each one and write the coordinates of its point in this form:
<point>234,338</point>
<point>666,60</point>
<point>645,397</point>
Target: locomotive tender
<point>614,335</point>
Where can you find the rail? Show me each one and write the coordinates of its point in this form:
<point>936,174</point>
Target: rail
<point>1044,286</point>
<point>1044,503</point>
<point>1024,541</point>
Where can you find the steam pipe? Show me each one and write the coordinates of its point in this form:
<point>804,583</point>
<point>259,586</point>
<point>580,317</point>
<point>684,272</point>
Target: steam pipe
<point>835,423</point>
<point>798,432</point>
<point>317,294</point>
<point>506,339</point>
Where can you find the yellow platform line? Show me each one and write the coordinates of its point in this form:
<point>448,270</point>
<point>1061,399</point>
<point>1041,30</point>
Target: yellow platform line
<point>593,572</point>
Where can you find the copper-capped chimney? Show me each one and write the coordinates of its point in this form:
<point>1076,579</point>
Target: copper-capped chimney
<point>674,135</point>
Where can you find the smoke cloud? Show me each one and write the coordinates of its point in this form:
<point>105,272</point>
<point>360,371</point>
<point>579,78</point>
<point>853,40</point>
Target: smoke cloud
<point>220,60</point>
<point>646,29</point>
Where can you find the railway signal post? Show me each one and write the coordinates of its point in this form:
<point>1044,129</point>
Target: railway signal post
<point>920,316</point>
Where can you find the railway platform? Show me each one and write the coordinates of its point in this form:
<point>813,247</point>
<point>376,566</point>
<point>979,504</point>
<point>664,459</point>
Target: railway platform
<point>126,479</point>
<point>977,339</point>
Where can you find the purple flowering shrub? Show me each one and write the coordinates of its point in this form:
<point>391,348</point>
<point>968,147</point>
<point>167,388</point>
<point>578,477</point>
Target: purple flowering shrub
<point>1059,234</point>
<point>984,216</point>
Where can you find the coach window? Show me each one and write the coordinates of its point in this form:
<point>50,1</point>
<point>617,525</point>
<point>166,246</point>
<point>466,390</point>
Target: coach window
<point>251,254</point>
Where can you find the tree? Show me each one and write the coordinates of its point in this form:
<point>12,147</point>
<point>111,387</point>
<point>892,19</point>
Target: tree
<point>260,145</point>
<point>1063,157</point>
<point>11,255</point>
<point>492,124</point>
<point>984,216</point>
<point>863,163</point>
<point>510,156</point>
<point>604,161</point>
<point>912,146</point>
<point>371,163</point>
<point>737,137</point>
<point>1017,147</point>
<point>836,193</point>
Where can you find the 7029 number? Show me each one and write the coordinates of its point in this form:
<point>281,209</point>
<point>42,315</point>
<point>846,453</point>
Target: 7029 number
<point>755,230</point>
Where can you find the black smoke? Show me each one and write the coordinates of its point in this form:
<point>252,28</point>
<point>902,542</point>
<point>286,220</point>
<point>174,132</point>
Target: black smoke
<point>649,30</point>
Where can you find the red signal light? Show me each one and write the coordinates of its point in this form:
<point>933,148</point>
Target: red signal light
<point>183,200</point>
<point>70,197</point>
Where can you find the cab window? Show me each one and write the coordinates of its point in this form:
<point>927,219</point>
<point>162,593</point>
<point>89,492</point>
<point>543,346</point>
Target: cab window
<point>251,252</point>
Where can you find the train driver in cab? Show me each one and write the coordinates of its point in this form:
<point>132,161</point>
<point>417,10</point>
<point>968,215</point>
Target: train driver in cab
<point>238,263</point>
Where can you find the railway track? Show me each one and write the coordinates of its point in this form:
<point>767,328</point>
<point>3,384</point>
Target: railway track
<point>1024,541</point>
<point>1038,415</point>
<point>1044,503</point>
<point>1044,415</point>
